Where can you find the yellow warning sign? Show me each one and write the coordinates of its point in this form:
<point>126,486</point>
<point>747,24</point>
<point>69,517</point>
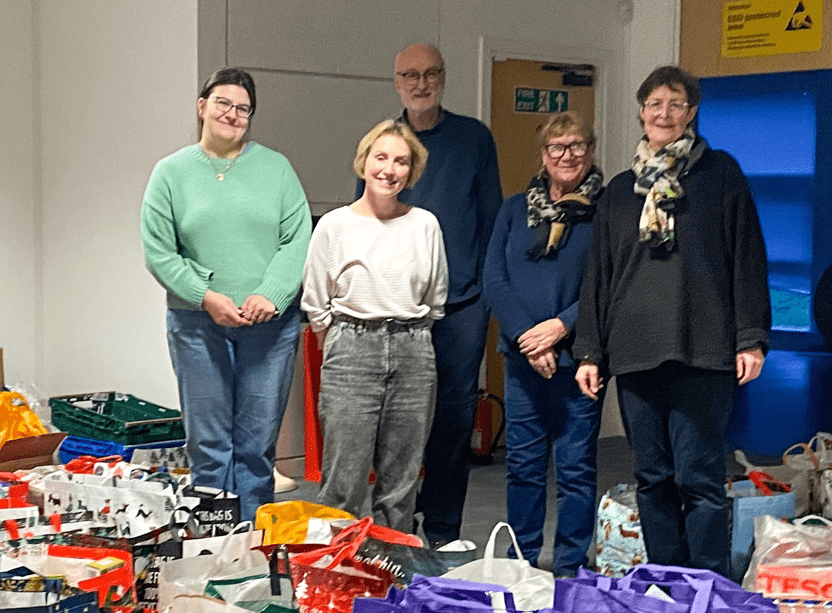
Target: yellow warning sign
<point>771,27</point>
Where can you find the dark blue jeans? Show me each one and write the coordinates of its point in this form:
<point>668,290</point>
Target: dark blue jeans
<point>459,342</point>
<point>675,418</point>
<point>550,418</point>
<point>233,386</point>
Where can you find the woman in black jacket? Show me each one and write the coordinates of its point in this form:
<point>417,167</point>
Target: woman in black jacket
<point>675,301</point>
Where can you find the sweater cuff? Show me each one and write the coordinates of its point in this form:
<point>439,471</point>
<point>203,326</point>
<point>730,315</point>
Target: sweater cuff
<point>276,294</point>
<point>195,291</point>
<point>586,354</point>
<point>752,338</point>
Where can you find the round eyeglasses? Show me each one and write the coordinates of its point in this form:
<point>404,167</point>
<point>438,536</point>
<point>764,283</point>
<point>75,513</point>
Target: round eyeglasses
<point>243,111</point>
<point>412,77</point>
<point>577,149</point>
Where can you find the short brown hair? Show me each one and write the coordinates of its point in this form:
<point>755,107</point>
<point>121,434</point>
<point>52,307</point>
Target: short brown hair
<point>418,153</point>
<point>560,123</point>
<point>674,78</point>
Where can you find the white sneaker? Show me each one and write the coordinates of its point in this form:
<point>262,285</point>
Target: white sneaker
<point>283,484</point>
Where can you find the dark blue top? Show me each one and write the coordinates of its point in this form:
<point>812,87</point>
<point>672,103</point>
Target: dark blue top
<point>522,292</point>
<point>461,187</point>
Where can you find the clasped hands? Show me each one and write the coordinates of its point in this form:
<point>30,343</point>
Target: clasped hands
<point>255,309</point>
<point>537,344</point>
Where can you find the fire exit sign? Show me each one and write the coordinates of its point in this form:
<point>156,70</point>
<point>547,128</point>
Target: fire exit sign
<point>531,100</point>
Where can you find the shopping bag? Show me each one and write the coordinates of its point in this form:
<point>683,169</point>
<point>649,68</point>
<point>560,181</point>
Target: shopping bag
<point>287,522</point>
<point>135,511</point>
<point>791,559</point>
<point>190,575</point>
<point>12,487</point>
<point>531,587</point>
<point>619,540</point>
<point>328,579</point>
<point>825,488</point>
<point>13,529</point>
<point>801,480</point>
<point>218,511</point>
<point>17,420</point>
<point>200,603</point>
<point>19,510</point>
<point>272,593</point>
<point>651,587</point>
<point>82,568</point>
<point>401,553</point>
<point>441,595</point>
<point>26,592</point>
<point>406,561</point>
<point>748,502</point>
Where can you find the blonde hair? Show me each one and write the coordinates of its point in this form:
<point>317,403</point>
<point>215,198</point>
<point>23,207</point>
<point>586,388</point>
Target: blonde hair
<point>418,153</point>
<point>560,123</point>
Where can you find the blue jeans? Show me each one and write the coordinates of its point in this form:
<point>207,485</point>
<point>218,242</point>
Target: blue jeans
<point>233,387</point>
<point>459,341</point>
<point>550,418</point>
<point>675,418</point>
<point>378,388</point>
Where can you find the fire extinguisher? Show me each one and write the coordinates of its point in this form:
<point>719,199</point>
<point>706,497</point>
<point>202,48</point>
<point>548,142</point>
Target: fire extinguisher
<point>483,439</point>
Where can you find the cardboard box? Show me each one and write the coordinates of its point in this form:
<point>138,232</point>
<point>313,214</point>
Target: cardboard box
<point>30,451</point>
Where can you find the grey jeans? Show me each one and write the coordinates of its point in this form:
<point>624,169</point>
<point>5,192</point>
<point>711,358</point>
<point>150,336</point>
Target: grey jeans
<point>378,389</point>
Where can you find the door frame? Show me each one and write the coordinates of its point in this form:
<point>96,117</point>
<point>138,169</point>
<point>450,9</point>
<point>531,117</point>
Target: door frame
<point>491,49</point>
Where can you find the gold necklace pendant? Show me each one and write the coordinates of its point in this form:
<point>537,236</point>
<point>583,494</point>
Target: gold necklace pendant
<point>221,172</point>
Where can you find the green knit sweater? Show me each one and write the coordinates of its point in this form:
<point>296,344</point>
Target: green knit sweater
<point>247,234</point>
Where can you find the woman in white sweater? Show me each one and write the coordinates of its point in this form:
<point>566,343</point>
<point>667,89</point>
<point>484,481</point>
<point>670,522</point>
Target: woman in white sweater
<point>375,279</point>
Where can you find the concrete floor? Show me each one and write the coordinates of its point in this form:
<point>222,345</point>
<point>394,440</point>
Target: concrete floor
<point>486,500</point>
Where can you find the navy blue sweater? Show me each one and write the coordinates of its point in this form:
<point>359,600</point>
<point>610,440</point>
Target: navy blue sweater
<point>461,187</point>
<point>522,292</point>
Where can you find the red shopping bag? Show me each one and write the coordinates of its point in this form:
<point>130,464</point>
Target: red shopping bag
<point>115,588</point>
<point>328,579</point>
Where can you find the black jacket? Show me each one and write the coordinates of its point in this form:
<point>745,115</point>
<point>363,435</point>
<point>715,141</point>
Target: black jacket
<point>698,304</point>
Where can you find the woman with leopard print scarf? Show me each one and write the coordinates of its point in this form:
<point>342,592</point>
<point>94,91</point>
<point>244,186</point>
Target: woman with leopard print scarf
<point>532,281</point>
<point>675,304</point>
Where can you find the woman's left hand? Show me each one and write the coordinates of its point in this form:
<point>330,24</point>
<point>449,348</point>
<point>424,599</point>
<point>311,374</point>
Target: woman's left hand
<point>545,362</point>
<point>258,309</point>
<point>544,335</point>
<point>749,365</point>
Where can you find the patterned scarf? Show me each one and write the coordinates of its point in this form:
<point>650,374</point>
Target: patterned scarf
<point>550,219</point>
<point>657,178</point>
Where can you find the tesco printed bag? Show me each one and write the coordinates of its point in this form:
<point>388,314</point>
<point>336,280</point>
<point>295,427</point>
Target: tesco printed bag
<point>792,560</point>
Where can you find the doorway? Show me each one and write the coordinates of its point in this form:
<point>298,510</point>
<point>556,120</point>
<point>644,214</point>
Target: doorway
<point>524,93</point>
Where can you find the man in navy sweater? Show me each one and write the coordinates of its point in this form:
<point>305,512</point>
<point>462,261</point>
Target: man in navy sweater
<point>461,187</point>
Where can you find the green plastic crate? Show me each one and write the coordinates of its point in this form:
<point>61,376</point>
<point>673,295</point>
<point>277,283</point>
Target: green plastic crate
<point>110,416</point>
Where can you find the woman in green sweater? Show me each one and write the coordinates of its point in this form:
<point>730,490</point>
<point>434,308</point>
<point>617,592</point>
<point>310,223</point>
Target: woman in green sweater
<point>225,227</point>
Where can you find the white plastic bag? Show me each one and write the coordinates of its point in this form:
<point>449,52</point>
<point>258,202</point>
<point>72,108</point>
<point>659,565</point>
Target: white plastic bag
<point>791,560</point>
<point>234,558</point>
<point>198,603</point>
<point>532,588</point>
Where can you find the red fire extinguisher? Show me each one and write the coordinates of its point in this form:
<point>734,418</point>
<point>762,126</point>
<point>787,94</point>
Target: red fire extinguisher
<point>483,439</point>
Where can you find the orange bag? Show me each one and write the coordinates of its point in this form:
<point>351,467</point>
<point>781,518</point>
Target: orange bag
<point>286,522</point>
<point>17,420</point>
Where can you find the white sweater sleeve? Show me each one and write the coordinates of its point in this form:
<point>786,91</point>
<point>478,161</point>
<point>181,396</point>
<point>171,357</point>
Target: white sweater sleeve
<point>317,286</point>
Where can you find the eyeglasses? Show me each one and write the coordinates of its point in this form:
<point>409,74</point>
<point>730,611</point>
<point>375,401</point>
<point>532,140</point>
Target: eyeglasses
<point>578,149</point>
<point>412,77</point>
<point>243,111</point>
<point>674,107</point>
